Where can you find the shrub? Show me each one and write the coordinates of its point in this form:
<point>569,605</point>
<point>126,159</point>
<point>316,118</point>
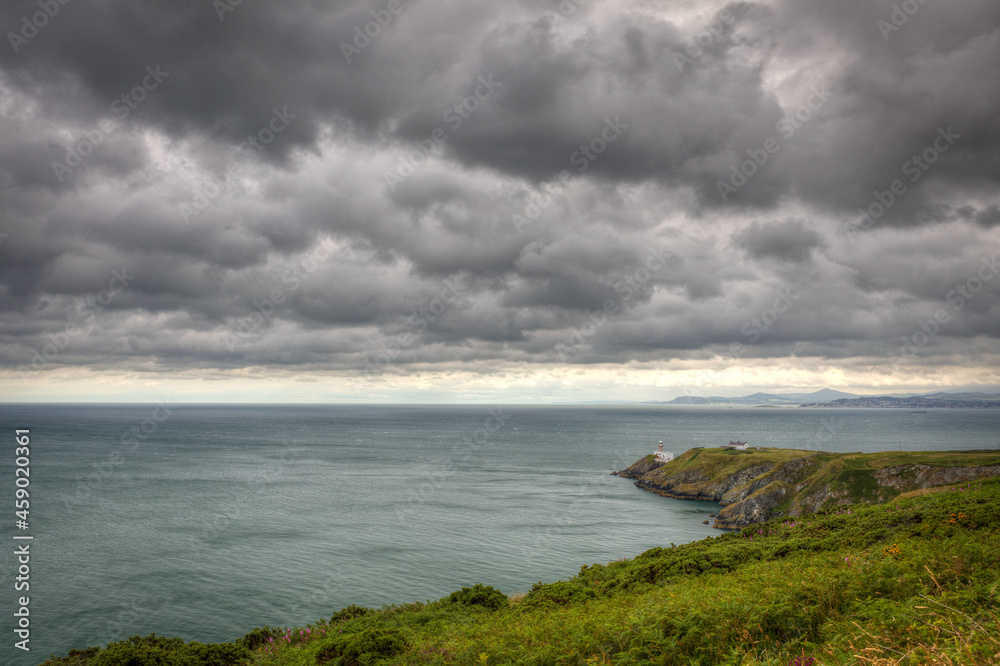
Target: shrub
<point>75,658</point>
<point>156,650</point>
<point>217,654</point>
<point>349,613</point>
<point>560,593</point>
<point>480,595</point>
<point>151,650</point>
<point>363,647</point>
<point>258,637</point>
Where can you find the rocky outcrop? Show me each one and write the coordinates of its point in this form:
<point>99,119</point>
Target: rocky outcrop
<point>761,484</point>
<point>889,482</point>
<point>682,485</point>
<point>640,467</point>
<point>787,472</point>
<point>919,477</point>
<point>754,508</point>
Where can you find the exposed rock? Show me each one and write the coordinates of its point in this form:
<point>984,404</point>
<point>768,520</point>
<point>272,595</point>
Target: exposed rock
<point>787,472</point>
<point>761,484</point>
<point>917,477</point>
<point>824,497</point>
<point>756,508</point>
<point>682,485</point>
<point>641,466</point>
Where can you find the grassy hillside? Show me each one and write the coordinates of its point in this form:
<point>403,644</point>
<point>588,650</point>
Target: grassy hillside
<point>718,464</point>
<point>758,484</point>
<point>915,581</point>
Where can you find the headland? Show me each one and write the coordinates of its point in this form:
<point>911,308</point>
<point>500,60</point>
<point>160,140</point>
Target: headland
<point>759,484</point>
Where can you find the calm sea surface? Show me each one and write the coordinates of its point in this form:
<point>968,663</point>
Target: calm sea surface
<point>205,521</point>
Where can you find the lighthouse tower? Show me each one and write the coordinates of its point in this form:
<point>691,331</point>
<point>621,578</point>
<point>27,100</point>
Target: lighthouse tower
<point>663,456</point>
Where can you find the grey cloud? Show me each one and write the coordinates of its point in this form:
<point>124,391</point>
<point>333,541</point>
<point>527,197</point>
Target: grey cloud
<point>604,80</point>
<point>790,240</point>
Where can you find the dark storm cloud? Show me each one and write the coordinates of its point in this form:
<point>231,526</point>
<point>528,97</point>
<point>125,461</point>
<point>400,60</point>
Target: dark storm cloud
<point>686,169</point>
<point>893,90</point>
<point>557,97</point>
<point>988,217</point>
<point>781,241</point>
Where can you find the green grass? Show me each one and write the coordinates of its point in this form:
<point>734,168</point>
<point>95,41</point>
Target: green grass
<point>915,581</point>
<point>797,482</point>
<point>722,463</point>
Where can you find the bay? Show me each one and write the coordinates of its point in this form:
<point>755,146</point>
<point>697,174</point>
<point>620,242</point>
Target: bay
<point>203,521</point>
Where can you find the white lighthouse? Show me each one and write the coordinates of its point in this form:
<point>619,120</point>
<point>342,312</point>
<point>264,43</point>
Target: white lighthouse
<point>663,456</point>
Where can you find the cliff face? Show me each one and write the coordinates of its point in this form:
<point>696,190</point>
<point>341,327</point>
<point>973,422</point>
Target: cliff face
<point>759,484</point>
<point>910,477</point>
<point>641,466</point>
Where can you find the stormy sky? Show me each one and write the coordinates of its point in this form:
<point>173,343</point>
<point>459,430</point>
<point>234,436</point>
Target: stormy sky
<point>502,200</point>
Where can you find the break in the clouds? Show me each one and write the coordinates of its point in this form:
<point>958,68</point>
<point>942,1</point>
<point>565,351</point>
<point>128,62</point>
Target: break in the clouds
<point>575,198</point>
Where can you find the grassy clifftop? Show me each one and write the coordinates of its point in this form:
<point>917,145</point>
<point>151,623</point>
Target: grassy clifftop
<point>914,581</point>
<point>759,484</point>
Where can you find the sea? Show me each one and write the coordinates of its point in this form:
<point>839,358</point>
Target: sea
<point>204,521</point>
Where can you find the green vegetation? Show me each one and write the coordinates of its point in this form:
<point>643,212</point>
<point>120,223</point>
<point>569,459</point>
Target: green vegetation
<point>156,650</point>
<point>721,464</point>
<point>362,647</point>
<point>914,581</point>
<point>763,483</point>
<point>480,595</point>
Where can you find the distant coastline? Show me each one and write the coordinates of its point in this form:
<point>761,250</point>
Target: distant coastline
<point>831,398</point>
<point>880,401</point>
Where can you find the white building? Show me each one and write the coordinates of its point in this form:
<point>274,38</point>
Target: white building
<point>663,456</point>
<point>739,446</point>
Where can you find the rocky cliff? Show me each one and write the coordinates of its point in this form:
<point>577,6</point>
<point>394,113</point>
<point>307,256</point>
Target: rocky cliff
<point>759,484</point>
<point>640,467</point>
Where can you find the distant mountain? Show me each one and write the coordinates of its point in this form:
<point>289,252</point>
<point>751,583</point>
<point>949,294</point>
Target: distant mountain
<point>822,395</point>
<point>988,397</point>
<point>831,398</point>
<point>689,400</point>
<point>930,400</point>
<point>791,399</point>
